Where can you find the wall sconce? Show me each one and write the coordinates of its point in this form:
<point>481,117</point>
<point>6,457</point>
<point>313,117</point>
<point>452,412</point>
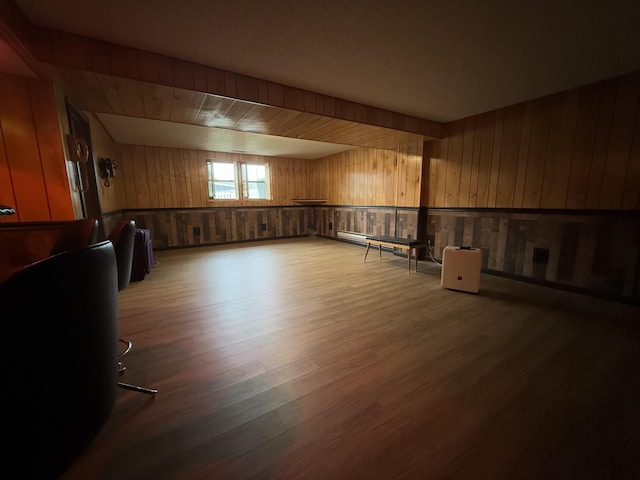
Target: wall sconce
<point>107,169</point>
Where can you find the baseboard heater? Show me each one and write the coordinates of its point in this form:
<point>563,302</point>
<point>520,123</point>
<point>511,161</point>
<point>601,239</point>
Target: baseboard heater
<point>352,237</point>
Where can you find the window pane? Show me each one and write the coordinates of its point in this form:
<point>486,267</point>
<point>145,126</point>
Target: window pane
<point>222,184</point>
<point>224,171</point>
<point>256,173</point>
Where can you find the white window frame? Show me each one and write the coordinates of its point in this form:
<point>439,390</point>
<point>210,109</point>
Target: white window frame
<point>241,182</point>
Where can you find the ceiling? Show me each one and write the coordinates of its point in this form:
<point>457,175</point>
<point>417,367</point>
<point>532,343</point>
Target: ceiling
<point>435,60</point>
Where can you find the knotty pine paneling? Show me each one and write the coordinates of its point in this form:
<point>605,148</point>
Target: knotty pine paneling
<point>372,177</point>
<point>575,149</point>
<point>158,177</point>
<point>33,177</point>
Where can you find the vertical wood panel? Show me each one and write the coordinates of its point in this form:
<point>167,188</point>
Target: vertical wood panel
<point>601,143</point>
<point>631,194</point>
<point>496,153</point>
<point>21,148</point>
<point>54,169</point>
<point>564,116</point>
<point>486,155</point>
<point>540,123</point>
<point>467,161</point>
<point>622,128</point>
<point>511,135</point>
<point>583,146</point>
<point>454,160</point>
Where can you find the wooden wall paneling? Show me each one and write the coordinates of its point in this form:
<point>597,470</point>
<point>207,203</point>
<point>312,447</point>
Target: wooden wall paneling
<point>401,178</point>
<point>454,160</point>
<point>71,50</point>
<point>155,68</point>
<point>110,91</point>
<point>88,88</point>
<point>128,175</point>
<point>166,186</point>
<point>198,183</point>
<point>54,169</point>
<point>386,181</point>
<point>152,177</point>
<point>196,102</point>
<point>157,101</point>
<point>7,195</point>
<point>130,94</point>
<point>124,61</point>
<point>475,162</point>
<point>443,166</point>
<point>511,133</point>
<point>22,153</point>
<point>624,117</point>
<point>141,176</point>
<point>180,103</point>
<point>201,165</point>
<point>601,142</point>
<point>496,157</point>
<point>538,141</point>
<point>581,159</point>
<point>631,194</point>
<point>486,156</point>
<point>468,137</point>
<point>431,164</point>
<point>564,116</point>
<point>523,155</point>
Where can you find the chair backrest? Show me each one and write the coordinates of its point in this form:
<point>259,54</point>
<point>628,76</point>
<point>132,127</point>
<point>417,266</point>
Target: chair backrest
<point>77,234</point>
<point>59,365</point>
<point>123,235</point>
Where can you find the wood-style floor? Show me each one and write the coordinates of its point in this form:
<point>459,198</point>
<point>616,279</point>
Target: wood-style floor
<point>294,359</point>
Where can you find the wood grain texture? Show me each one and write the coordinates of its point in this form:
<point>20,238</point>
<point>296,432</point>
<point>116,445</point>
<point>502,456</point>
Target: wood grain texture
<point>573,149</point>
<point>320,366</point>
<point>32,162</point>
<point>594,252</point>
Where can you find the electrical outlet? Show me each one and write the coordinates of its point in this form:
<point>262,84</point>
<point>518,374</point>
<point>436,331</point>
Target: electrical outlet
<point>264,227</point>
<point>431,240</point>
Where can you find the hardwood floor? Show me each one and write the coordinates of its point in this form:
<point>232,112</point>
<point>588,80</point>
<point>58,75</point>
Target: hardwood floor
<point>294,359</point>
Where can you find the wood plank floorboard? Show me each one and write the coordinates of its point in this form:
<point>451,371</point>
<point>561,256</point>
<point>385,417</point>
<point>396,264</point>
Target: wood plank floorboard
<point>294,359</point>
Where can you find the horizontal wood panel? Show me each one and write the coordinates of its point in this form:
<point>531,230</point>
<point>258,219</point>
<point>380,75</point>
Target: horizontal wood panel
<point>574,149</point>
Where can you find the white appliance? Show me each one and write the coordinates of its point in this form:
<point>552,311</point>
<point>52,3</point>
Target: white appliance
<point>461,268</point>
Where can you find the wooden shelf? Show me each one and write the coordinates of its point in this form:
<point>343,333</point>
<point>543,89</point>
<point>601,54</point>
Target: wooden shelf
<point>309,201</point>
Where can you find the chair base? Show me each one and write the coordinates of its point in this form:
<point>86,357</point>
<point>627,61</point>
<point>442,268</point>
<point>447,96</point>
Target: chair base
<point>136,388</point>
<point>122,368</point>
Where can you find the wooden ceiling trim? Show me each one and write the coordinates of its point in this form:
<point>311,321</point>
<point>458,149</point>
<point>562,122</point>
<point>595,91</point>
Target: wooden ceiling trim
<point>75,51</point>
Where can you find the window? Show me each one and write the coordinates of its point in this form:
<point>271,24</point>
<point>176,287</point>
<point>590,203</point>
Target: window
<point>223,184</point>
<point>227,179</point>
<point>255,182</point>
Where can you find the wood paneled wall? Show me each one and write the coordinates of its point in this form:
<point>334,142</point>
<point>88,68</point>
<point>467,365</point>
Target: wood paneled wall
<point>371,177</point>
<point>578,149</point>
<point>112,197</point>
<point>158,177</point>
<point>33,175</point>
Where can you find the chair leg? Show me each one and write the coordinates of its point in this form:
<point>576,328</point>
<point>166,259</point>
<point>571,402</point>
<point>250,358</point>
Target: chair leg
<point>136,388</point>
<point>122,368</point>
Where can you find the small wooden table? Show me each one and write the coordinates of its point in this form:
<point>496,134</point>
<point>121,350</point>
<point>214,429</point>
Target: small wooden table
<point>409,244</point>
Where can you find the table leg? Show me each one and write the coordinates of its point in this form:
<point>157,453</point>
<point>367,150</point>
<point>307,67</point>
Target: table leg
<point>380,250</point>
<point>409,258</point>
<point>366,252</point>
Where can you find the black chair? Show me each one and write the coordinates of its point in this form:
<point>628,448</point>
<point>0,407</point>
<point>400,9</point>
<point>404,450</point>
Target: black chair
<point>60,316</point>
<point>122,236</point>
